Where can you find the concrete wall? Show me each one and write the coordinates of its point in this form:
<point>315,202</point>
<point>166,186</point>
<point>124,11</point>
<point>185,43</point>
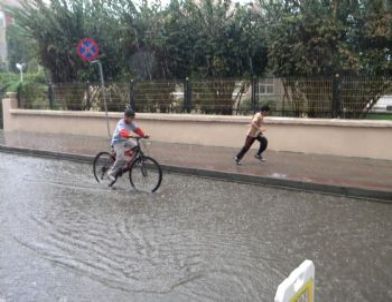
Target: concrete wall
<point>359,138</point>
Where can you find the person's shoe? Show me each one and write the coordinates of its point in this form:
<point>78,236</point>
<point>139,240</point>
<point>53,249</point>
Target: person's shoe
<point>111,177</point>
<point>237,161</point>
<point>112,180</point>
<point>259,157</point>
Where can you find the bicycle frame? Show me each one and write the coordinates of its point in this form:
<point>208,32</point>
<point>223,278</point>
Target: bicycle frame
<point>137,154</point>
<point>137,162</point>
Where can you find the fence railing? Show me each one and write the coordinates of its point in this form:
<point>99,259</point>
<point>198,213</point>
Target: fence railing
<point>345,97</point>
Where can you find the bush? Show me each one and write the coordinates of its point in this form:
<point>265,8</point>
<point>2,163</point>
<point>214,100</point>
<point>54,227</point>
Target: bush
<point>33,92</point>
<point>9,81</point>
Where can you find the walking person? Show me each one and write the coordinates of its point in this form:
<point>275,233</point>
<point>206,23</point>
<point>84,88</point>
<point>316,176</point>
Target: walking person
<point>255,133</point>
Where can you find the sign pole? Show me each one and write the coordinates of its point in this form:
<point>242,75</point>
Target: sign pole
<point>103,94</point>
<point>88,51</point>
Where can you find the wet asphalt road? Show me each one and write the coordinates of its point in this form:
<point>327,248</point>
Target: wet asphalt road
<point>65,238</point>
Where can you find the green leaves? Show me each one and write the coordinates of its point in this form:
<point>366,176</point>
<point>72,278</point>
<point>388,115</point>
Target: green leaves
<point>206,38</point>
<point>331,37</point>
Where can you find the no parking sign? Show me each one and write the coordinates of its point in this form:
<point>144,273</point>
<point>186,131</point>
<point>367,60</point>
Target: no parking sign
<point>88,49</point>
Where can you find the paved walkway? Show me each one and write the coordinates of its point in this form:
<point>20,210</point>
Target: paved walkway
<point>360,173</point>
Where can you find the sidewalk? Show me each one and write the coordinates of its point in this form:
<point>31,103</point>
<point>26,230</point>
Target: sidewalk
<point>281,168</point>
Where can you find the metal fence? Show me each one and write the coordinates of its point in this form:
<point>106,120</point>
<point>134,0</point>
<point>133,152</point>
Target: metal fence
<point>345,97</point>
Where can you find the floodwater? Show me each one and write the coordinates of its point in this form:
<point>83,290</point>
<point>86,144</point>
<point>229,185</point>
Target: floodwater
<point>64,237</point>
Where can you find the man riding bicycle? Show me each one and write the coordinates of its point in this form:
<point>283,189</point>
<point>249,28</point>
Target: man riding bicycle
<point>121,143</point>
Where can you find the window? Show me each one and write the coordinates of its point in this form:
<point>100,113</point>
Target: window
<point>266,87</point>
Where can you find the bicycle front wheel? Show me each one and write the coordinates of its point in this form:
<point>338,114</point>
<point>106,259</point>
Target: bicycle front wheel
<point>145,174</point>
<point>102,163</point>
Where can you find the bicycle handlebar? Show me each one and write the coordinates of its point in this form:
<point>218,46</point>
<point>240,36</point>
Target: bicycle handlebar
<point>139,137</point>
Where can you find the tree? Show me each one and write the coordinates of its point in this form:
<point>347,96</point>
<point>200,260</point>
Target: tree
<point>213,40</point>
<point>59,26</point>
<point>21,48</point>
<point>325,38</point>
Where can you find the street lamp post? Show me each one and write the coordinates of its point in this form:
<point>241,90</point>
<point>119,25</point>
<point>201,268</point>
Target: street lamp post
<point>20,67</point>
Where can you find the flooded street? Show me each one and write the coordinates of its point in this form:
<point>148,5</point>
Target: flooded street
<point>63,237</point>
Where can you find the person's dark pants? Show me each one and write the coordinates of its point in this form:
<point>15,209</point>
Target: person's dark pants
<point>249,142</point>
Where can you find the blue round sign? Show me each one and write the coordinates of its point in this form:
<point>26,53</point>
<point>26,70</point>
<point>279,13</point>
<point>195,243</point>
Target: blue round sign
<point>88,49</point>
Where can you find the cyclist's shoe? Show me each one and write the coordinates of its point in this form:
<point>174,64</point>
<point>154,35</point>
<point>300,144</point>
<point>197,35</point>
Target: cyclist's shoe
<point>259,157</point>
<point>112,181</point>
<point>111,177</point>
<point>237,161</point>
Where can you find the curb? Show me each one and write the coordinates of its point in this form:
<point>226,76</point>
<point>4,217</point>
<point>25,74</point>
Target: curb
<point>47,154</point>
<point>381,196</point>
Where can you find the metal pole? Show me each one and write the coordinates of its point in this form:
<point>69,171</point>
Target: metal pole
<point>189,101</point>
<point>338,96</point>
<point>186,95</point>
<point>50,95</point>
<point>103,95</point>
<point>88,101</point>
<point>253,94</point>
<point>132,96</point>
<point>335,96</point>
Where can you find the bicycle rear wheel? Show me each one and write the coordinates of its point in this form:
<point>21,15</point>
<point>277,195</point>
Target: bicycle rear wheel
<point>145,174</point>
<point>102,164</point>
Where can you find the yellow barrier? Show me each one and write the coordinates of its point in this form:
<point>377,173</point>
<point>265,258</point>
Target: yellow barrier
<point>299,286</point>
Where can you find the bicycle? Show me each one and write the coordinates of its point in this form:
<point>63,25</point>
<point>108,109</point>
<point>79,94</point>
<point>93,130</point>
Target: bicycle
<point>142,169</point>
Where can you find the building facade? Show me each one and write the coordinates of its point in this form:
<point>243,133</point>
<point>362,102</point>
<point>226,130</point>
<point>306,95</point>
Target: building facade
<point>5,20</point>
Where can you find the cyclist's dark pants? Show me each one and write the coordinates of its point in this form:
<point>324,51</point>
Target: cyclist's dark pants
<point>249,142</point>
<point>120,149</point>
